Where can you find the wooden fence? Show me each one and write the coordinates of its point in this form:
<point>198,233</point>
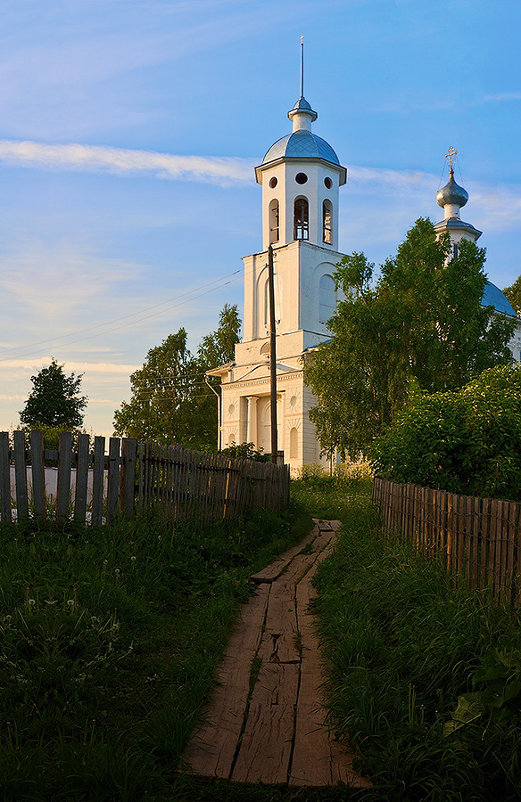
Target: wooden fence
<point>478,539</point>
<point>132,478</point>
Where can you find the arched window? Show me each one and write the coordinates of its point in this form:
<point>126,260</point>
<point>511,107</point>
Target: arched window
<point>293,443</point>
<point>274,220</point>
<point>301,219</point>
<point>326,298</point>
<point>327,222</point>
<point>267,300</point>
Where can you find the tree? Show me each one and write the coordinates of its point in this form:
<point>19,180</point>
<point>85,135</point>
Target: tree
<point>513,293</point>
<point>55,399</point>
<point>467,441</point>
<point>170,400</point>
<point>420,328</point>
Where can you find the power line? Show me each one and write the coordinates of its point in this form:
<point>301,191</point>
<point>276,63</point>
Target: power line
<point>31,352</point>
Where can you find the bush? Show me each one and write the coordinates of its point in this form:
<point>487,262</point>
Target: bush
<point>467,441</point>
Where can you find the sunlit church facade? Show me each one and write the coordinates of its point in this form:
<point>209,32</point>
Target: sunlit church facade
<point>300,177</point>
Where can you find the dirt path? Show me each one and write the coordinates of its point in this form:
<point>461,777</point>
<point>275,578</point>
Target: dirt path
<point>265,722</point>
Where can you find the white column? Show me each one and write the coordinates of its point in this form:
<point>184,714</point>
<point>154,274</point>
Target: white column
<point>252,420</point>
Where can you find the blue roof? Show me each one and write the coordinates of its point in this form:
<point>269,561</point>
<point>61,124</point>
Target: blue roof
<point>301,144</point>
<point>492,296</point>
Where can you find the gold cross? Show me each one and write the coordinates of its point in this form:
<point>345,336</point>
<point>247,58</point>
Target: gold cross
<point>450,156</point>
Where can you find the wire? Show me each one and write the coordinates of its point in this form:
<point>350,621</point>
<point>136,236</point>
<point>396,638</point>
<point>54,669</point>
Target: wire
<point>32,351</point>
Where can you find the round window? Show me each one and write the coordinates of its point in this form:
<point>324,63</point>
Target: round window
<point>301,178</point>
<point>328,182</point>
<point>273,182</point>
<point>231,410</point>
<point>293,400</point>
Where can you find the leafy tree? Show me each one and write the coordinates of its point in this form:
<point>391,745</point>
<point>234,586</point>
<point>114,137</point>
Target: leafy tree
<point>467,441</point>
<point>55,399</point>
<point>161,391</point>
<point>513,293</point>
<point>170,400</point>
<point>420,328</point>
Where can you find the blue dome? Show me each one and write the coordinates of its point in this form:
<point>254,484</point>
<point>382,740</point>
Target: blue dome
<point>492,296</point>
<point>301,144</point>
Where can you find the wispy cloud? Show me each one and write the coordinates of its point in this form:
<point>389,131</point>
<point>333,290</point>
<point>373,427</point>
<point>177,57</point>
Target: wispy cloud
<point>498,98</point>
<point>221,170</point>
<point>76,366</point>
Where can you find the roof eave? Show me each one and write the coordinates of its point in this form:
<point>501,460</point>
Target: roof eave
<point>338,167</point>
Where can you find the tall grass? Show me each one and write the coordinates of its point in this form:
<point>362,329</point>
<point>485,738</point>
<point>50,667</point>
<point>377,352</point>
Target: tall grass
<point>109,639</point>
<point>424,680</point>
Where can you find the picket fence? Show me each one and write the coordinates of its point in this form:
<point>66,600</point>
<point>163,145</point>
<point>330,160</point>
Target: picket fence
<point>477,539</point>
<point>132,478</point>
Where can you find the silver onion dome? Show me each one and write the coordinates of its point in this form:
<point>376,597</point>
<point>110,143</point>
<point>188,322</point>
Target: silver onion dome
<point>452,193</point>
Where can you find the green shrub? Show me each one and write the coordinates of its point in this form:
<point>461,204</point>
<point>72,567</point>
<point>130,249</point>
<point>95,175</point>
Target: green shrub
<point>467,441</point>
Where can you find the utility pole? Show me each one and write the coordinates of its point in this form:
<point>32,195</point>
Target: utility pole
<point>273,358</point>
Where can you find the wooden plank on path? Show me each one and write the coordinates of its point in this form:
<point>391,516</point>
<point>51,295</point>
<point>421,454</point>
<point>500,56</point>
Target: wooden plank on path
<point>276,568</point>
<point>268,736</point>
<point>82,477</point>
<point>5,479</point>
<point>38,475</point>
<point>212,748</point>
<point>22,501</point>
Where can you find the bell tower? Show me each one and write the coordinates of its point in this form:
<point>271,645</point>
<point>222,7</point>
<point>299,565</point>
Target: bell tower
<point>300,176</point>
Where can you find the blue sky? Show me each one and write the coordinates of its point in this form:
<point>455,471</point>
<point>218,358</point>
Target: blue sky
<point>128,134</point>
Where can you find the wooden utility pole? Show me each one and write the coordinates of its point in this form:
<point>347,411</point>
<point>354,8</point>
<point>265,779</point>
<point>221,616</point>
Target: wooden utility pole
<point>273,358</point>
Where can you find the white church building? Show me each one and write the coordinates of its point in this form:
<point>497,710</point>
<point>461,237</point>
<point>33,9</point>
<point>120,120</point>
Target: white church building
<point>300,177</point>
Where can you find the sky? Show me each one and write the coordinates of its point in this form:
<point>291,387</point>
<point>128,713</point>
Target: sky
<point>129,130</point>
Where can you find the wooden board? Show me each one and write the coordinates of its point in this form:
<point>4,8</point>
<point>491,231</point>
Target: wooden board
<point>268,736</point>
<point>275,569</point>
<point>212,747</point>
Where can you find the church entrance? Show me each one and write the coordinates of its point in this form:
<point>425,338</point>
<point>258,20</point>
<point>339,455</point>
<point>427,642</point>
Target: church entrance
<point>264,424</point>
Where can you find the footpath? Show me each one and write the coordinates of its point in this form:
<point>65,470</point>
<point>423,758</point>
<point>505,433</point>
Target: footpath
<point>266,721</point>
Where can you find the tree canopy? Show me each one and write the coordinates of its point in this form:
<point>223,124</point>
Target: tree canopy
<point>468,441</point>
<point>55,399</point>
<point>419,328</point>
<point>513,293</point>
<point>170,400</point>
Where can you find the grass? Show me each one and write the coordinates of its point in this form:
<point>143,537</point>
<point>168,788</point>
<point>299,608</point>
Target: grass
<point>424,679</point>
<point>109,639</point>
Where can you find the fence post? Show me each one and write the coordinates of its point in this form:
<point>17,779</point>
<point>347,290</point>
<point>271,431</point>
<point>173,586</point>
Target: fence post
<point>127,477</point>
<point>38,475</point>
<point>20,469</point>
<point>5,479</point>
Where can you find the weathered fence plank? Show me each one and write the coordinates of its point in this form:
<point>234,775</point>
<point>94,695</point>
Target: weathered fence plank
<point>20,470</point>
<point>5,479</point>
<point>38,475</point>
<point>82,477</point>
<point>98,477</point>
<point>479,539</point>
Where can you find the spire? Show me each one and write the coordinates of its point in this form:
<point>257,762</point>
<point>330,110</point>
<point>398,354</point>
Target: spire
<point>302,115</point>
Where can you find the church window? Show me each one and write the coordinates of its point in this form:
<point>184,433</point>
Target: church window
<point>273,182</point>
<point>274,220</point>
<point>455,250</point>
<point>328,182</point>
<point>301,178</point>
<point>293,443</point>
<point>327,298</point>
<point>327,225</point>
<point>301,219</point>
